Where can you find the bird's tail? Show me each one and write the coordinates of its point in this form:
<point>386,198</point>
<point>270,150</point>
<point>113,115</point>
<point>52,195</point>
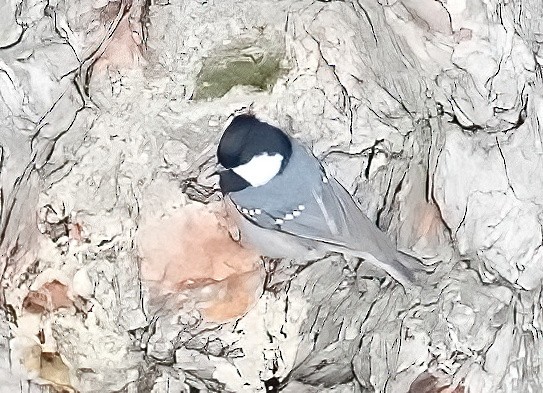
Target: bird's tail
<point>404,268</point>
<point>411,268</point>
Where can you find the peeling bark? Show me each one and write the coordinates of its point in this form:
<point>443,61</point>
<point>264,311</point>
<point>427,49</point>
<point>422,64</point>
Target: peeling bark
<point>429,112</point>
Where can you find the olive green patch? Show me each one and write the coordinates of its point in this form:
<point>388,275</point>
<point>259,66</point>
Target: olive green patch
<point>249,64</point>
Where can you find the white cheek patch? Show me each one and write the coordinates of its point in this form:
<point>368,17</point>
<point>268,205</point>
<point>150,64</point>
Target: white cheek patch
<point>260,170</point>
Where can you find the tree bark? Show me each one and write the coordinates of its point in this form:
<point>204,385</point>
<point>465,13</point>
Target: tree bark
<point>118,271</point>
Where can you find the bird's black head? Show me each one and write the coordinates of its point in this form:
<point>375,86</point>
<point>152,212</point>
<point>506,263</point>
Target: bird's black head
<point>252,152</point>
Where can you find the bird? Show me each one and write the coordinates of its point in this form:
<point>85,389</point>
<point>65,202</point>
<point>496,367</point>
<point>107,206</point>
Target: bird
<point>285,204</point>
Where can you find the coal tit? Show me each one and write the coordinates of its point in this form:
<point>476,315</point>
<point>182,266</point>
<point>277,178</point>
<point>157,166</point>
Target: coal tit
<point>286,205</point>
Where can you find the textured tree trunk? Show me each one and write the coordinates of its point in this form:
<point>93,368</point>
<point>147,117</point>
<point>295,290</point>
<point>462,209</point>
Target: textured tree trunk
<point>118,268</point>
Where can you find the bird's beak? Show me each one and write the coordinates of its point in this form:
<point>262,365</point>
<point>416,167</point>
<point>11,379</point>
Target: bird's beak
<point>218,169</point>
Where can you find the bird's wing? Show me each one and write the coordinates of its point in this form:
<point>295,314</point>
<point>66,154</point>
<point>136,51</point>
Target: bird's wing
<point>336,220</point>
<point>333,217</point>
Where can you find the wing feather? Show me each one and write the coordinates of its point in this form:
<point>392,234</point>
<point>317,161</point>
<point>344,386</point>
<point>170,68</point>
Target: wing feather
<point>335,218</point>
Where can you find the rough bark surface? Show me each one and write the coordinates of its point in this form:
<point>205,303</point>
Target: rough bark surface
<point>118,274</point>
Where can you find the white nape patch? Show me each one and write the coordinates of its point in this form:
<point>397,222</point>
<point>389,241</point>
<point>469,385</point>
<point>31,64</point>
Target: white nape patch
<point>260,170</point>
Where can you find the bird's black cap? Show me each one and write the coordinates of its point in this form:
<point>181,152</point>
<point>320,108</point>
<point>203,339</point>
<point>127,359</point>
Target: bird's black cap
<point>246,137</point>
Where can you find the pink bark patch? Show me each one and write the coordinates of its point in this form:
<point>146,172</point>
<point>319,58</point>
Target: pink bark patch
<point>429,383</point>
<point>50,297</point>
<point>193,253</point>
<point>124,50</point>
